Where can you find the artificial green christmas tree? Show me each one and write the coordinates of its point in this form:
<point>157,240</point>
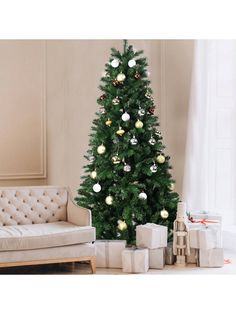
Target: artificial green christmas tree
<point>127,180</point>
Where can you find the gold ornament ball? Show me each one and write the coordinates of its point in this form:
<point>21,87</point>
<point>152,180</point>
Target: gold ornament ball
<point>122,225</point>
<point>164,214</point>
<point>109,200</point>
<point>108,122</point>
<point>101,149</point>
<point>93,174</point>
<point>139,124</point>
<point>172,186</point>
<point>121,77</point>
<point>120,132</point>
<point>160,159</point>
<point>116,160</point>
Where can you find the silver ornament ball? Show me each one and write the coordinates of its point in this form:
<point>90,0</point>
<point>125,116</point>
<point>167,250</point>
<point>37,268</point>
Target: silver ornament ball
<point>115,63</point>
<point>142,196</point>
<point>97,187</point>
<point>127,168</point>
<point>152,141</point>
<point>134,141</point>
<point>153,168</point>
<point>141,112</point>
<point>131,63</point>
<point>125,117</point>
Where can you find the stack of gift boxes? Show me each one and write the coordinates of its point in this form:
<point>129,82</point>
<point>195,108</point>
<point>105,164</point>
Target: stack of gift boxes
<point>205,238</point>
<point>153,251</point>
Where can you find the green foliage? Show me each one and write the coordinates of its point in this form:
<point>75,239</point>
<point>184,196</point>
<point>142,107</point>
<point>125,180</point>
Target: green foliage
<point>134,93</point>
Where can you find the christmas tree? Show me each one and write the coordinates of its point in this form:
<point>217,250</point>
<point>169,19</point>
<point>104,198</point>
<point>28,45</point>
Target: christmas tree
<point>127,180</point>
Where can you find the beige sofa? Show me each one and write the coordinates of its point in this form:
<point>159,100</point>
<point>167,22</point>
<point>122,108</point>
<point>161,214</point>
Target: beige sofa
<point>42,225</point>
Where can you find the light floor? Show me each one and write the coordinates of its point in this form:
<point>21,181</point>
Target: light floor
<point>83,268</point>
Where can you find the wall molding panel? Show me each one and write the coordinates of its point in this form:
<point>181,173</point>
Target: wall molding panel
<point>23,109</point>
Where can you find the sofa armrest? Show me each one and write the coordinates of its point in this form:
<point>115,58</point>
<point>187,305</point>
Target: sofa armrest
<point>78,215</point>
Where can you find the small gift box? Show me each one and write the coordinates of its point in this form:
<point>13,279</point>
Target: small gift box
<point>151,236</point>
<point>205,236</point>
<point>193,257</point>
<point>135,260</point>
<point>211,258</point>
<point>157,258</point>
<point>170,258</point>
<point>108,253</point>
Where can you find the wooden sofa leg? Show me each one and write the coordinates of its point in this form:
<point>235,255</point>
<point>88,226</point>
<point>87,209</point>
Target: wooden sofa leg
<point>93,264</point>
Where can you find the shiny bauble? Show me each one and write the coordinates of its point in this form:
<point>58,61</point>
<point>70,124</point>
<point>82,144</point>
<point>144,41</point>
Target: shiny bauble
<point>93,174</point>
<point>122,225</point>
<point>127,168</point>
<point>164,214</point>
<point>108,122</point>
<point>102,110</point>
<point>152,141</point>
<point>148,95</point>
<point>134,141</point>
<point>109,200</point>
<point>131,63</point>
<point>151,110</point>
<point>115,83</point>
<point>115,63</point>
<point>116,101</point>
<point>137,76</point>
<point>121,77</point>
<point>120,132</point>
<point>115,160</point>
<point>125,117</point>
<point>138,124</point>
<point>101,149</point>
<point>172,186</point>
<point>153,168</point>
<point>102,97</point>
<point>141,112</point>
<point>142,196</point>
<point>160,159</point>
<point>97,187</point>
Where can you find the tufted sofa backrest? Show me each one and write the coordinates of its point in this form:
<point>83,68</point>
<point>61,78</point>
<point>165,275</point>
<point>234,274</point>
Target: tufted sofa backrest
<point>32,205</point>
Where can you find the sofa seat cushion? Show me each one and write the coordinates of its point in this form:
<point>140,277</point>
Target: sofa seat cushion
<point>27,237</point>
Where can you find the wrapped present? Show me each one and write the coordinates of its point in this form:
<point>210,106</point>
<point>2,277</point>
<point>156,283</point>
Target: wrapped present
<point>203,216</point>
<point>203,237</point>
<point>157,258</point>
<point>151,236</point>
<point>170,258</point>
<point>135,260</point>
<point>193,257</point>
<point>108,253</point>
<point>211,258</point>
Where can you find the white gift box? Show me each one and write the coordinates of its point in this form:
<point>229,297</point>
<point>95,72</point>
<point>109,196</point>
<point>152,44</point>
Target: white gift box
<point>205,216</point>
<point>211,258</point>
<point>170,258</point>
<point>193,257</point>
<point>151,236</point>
<point>108,253</point>
<point>157,258</point>
<point>205,236</point>
<point>135,260</point>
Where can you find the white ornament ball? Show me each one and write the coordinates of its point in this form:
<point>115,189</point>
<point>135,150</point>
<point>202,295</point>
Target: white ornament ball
<point>121,77</point>
<point>125,117</point>
<point>127,168</point>
<point>164,214</point>
<point>152,141</point>
<point>134,141</point>
<point>160,159</point>
<point>93,174</point>
<point>153,168</point>
<point>97,187</point>
<point>115,63</point>
<point>142,196</point>
<point>109,200</point>
<point>101,149</point>
<point>131,63</point>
